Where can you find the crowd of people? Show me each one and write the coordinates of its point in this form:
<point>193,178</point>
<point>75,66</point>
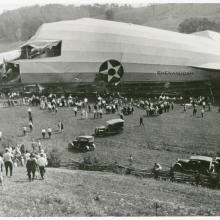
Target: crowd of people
<point>35,161</point>
<point>156,106</point>
<point>97,108</point>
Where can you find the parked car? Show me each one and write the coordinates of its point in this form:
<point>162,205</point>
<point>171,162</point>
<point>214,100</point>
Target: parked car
<point>217,164</point>
<point>202,164</point>
<point>114,126</point>
<point>82,144</point>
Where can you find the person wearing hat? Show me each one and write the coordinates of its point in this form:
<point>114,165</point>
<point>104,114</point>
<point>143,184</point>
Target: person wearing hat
<point>31,166</point>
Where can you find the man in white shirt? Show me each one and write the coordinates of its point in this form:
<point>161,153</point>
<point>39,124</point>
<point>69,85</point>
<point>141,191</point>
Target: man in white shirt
<point>24,130</point>
<point>43,133</point>
<point>42,162</point>
<point>7,157</point>
<point>49,131</point>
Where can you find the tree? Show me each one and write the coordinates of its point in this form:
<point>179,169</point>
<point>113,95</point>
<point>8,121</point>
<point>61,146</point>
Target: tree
<point>191,25</point>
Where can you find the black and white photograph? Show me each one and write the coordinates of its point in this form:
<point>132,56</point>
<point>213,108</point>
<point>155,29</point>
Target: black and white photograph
<point>109,108</point>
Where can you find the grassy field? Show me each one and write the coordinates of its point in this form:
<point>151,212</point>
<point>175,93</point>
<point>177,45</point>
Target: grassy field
<point>79,193</point>
<point>163,139</point>
<point>84,193</point>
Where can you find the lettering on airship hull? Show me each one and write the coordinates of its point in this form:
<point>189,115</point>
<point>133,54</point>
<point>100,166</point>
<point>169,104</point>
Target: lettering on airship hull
<point>175,73</point>
<point>111,71</point>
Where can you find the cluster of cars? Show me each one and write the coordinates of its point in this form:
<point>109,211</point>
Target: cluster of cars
<point>86,143</point>
<point>202,164</point>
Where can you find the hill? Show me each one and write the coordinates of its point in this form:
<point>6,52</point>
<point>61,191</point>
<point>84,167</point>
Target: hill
<point>82,193</point>
<point>20,24</point>
<point>163,139</point>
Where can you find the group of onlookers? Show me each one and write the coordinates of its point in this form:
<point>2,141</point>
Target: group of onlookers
<point>35,162</point>
<point>156,106</point>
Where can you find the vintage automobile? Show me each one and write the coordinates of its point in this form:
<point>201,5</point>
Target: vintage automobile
<point>217,164</point>
<point>114,126</point>
<point>202,164</point>
<point>82,144</point>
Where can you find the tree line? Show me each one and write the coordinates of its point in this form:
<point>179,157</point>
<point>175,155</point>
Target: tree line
<point>191,25</point>
<point>22,23</point>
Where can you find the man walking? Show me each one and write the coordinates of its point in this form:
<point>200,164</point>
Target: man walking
<point>7,157</point>
<point>141,121</point>
<point>31,166</point>
<point>42,162</point>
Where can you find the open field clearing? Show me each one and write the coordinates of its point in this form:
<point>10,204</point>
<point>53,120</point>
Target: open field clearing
<point>163,139</point>
<point>84,193</point>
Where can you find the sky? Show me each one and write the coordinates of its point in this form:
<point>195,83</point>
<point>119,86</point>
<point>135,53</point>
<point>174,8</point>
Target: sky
<point>6,5</point>
<point>13,4</point>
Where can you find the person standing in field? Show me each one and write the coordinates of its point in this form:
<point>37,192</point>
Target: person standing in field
<point>75,110</point>
<point>184,107</point>
<point>43,133</point>
<point>61,126</point>
<point>30,126</point>
<point>24,130</point>
<point>203,105</point>
<point>172,106</point>
<point>194,111</point>
<point>30,115</point>
<point>202,112</point>
<point>141,121</point>
<point>49,131</point>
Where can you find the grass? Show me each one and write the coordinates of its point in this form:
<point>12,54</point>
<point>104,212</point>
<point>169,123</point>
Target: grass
<point>78,193</point>
<point>83,193</point>
<point>163,139</point>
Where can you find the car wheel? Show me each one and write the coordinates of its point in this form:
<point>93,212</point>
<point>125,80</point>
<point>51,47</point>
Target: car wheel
<point>177,167</point>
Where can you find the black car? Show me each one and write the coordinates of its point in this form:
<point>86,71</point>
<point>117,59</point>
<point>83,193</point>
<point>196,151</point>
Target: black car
<point>114,126</point>
<point>82,144</point>
<point>202,164</point>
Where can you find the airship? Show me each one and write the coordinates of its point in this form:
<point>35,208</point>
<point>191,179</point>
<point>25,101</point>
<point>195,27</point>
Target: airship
<point>89,51</point>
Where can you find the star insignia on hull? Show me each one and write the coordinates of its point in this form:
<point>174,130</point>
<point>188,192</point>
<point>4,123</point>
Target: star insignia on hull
<point>112,71</point>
